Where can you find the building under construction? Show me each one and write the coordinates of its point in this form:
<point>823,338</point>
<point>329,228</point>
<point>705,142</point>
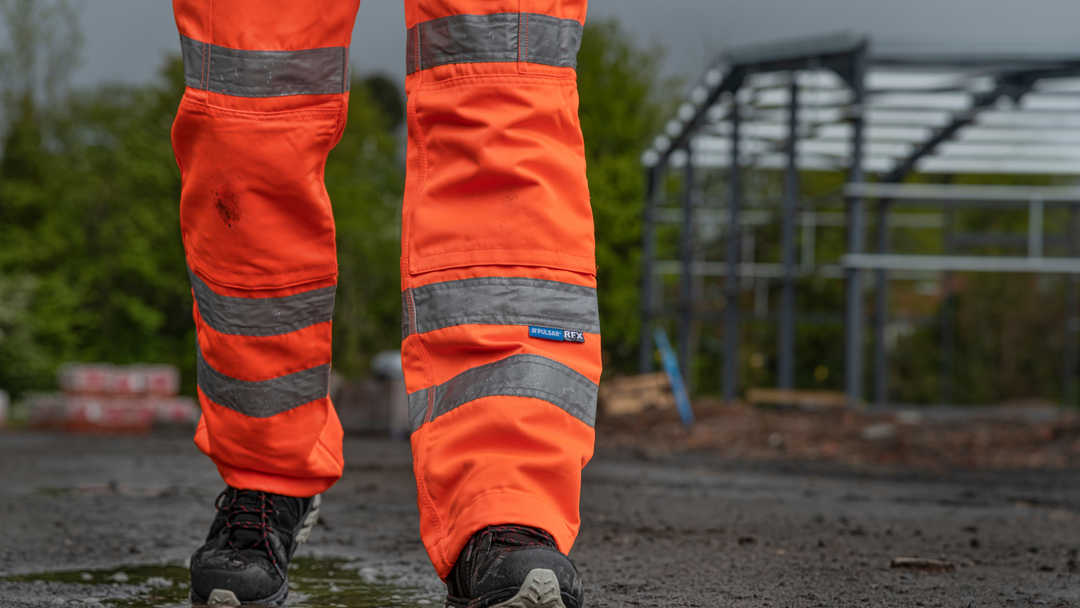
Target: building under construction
<point>728,175</point>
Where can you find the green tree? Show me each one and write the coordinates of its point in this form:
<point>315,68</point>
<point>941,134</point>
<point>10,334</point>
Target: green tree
<point>40,49</point>
<point>92,266</point>
<point>366,184</point>
<point>90,234</point>
<point>621,105</point>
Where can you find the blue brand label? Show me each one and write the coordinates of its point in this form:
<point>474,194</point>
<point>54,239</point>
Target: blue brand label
<point>558,335</point>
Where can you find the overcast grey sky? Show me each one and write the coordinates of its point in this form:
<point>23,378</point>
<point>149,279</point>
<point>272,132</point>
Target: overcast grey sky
<point>126,39</point>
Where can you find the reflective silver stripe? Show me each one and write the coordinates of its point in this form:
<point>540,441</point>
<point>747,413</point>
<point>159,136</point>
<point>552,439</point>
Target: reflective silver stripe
<point>262,316</point>
<point>418,407</point>
<point>266,398</point>
<point>515,376</point>
<point>499,301</point>
<point>210,67</point>
<point>497,38</point>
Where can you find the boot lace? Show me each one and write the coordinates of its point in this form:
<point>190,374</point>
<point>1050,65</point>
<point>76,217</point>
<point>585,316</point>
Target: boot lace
<point>249,510</point>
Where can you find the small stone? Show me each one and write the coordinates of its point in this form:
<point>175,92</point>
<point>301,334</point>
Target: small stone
<point>926,565</point>
<point>877,432</point>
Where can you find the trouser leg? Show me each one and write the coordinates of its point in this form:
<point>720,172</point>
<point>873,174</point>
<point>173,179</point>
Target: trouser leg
<point>267,90</point>
<point>501,331</point>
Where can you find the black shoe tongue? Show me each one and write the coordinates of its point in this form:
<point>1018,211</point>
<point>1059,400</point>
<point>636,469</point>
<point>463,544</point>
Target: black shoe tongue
<point>248,521</point>
<point>247,531</point>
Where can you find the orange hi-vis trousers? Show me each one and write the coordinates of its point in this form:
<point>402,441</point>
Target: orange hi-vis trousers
<point>501,344</point>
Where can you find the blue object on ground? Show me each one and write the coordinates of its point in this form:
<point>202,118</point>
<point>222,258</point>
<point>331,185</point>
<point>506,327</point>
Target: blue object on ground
<point>671,366</point>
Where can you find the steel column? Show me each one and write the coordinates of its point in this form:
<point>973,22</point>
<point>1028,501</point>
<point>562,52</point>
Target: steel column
<point>881,309</point>
<point>731,282</point>
<point>648,249</point>
<point>855,208</point>
<point>1072,300</point>
<point>947,312</point>
<point>787,293</point>
<point>686,287</point>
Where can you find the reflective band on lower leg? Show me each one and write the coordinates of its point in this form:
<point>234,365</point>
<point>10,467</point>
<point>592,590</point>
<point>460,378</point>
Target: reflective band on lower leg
<point>265,398</point>
<point>243,73</point>
<point>495,38</point>
<point>499,301</point>
<point>262,316</point>
<point>524,375</point>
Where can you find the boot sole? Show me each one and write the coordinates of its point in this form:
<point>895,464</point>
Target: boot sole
<point>224,597</point>
<point>540,590</point>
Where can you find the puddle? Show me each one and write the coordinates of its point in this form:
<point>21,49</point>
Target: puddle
<point>313,583</point>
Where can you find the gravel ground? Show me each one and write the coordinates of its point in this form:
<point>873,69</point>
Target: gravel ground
<point>659,528</point>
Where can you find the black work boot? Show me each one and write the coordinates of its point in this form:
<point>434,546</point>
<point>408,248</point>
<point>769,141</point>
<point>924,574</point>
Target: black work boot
<point>513,567</point>
<point>246,556</point>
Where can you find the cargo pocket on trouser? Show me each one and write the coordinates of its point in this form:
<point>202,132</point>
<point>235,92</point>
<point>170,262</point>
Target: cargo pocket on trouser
<point>500,324</point>
<point>251,137</point>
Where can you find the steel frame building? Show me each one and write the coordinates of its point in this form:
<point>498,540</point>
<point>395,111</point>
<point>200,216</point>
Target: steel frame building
<point>878,112</point>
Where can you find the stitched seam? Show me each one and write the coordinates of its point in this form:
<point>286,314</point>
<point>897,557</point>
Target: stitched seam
<point>191,254</point>
<point>508,493</point>
<point>523,392</point>
<point>501,56</point>
<point>419,45</point>
<point>302,89</point>
<point>537,360</point>
<point>272,382</point>
<point>258,116</point>
<point>337,456</point>
<point>457,251</point>
<point>254,55</point>
<point>263,332</point>
<point>509,282</point>
<point>275,301</point>
<point>412,311</point>
<point>204,74</point>
<point>418,344</point>
<point>519,79</point>
<point>477,319</point>
<point>521,33</point>
<point>209,40</point>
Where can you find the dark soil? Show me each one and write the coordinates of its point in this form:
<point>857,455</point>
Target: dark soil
<point>666,522</point>
<point>935,439</point>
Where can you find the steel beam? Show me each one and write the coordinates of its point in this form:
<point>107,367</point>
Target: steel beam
<point>1008,86</point>
<point>931,193</point>
<point>838,53</point>
<point>786,363</point>
<point>962,263</point>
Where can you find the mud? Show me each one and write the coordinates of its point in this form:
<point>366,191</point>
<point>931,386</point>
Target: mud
<point>670,529</point>
<point>314,583</point>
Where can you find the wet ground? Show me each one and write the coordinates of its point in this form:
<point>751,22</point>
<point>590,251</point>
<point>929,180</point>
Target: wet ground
<point>110,521</point>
